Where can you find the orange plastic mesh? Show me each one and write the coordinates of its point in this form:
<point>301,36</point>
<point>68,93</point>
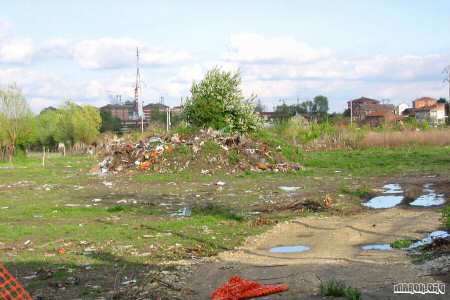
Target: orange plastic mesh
<point>240,288</point>
<point>10,289</point>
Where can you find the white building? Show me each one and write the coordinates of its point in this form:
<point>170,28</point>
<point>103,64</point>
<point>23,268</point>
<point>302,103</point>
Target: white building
<point>401,107</point>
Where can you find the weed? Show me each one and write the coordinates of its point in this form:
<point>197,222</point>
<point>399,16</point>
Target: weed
<point>335,288</point>
<point>360,193</point>
<point>234,157</point>
<point>217,211</point>
<point>119,208</point>
<point>446,217</point>
<point>401,243</point>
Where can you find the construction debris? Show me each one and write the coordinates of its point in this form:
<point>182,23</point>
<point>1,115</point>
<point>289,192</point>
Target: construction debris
<point>208,152</point>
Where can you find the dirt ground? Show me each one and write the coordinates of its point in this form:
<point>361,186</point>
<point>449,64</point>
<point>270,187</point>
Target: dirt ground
<point>335,254</point>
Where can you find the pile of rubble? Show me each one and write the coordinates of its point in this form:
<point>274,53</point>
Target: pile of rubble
<point>208,152</point>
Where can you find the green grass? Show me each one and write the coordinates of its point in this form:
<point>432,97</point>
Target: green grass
<point>446,217</point>
<point>335,288</point>
<point>362,193</point>
<point>220,217</point>
<point>401,243</point>
<point>370,162</point>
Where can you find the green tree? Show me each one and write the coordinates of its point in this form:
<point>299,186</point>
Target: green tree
<point>109,122</point>
<point>46,127</point>
<point>86,123</point>
<point>77,123</point>
<point>320,105</point>
<point>442,100</point>
<point>218,102</point>
<point>16,119</point>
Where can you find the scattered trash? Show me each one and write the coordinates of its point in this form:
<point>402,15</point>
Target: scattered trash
<point>238,288</point>
<point>121,201</point>
<point>72,205</point>
<point>96,200</point>
<point>107,183</point>
<point>288,249</point>
<point>220,183</point>
<point>129,282</point>
<point>89,250</point>
<point>27,242</point>
<point>62,251</point>
<point>184,212</point>
<point>151,154</point>
<point>289,188</point>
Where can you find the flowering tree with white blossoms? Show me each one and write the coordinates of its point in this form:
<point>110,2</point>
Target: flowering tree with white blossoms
<point>218,102</point>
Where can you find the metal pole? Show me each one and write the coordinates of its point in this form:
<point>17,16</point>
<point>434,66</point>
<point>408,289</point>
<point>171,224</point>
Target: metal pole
<point>167,119</point>
<point>351,113</point>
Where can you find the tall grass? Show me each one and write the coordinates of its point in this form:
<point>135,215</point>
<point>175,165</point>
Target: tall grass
<point>313,136</point>
<point>432,137</point>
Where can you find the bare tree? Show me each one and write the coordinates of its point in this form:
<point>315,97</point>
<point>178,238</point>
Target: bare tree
<point>15,118</point>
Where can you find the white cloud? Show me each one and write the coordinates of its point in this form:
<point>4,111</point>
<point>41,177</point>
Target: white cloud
<point>16,51</point>
<point>4,28</point>
<point>121,52</point>
<point>55,48</point>
<point>253,48</point>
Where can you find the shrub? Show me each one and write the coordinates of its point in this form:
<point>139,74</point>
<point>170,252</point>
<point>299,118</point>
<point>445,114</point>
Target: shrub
<point>401,243</point>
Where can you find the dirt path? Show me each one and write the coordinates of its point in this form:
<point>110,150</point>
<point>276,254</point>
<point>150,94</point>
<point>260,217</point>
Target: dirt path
<point>334,254</point>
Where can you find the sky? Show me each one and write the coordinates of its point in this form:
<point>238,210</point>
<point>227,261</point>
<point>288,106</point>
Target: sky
<point>85,51</point>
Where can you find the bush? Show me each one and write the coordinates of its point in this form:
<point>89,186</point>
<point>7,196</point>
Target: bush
<point>217,102</point>
<point>401,243</point>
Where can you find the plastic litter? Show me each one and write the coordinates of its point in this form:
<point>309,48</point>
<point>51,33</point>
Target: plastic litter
<point>150,155</point>
<point>10,288</point>
<point>184,212</point>
<point>240,288</point>
<point>289,188</point>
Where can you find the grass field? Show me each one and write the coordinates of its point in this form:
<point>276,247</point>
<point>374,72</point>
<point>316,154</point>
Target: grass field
<point>65,221</point>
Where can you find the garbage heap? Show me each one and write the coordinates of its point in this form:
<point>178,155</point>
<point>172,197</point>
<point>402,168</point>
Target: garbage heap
<point>208,152</point>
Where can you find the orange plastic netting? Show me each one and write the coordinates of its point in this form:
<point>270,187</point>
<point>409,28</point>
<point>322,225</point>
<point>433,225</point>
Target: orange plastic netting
<point>240,288</point>
<point>10,289</point>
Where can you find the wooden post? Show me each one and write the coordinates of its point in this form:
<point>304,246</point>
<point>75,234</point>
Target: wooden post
<point>43,159</point>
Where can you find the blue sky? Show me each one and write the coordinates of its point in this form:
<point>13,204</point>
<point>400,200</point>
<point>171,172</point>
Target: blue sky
<point>84,50</point>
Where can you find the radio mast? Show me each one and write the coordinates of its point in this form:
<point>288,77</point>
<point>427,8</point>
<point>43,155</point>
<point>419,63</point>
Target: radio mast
<point>138,105</point>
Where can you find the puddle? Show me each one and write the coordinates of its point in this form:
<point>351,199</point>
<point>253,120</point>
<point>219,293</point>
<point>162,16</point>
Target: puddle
<point>392,188</point>
<point>430,237</point>
<point>429,198</point>
<point>387,201</point>
<point>390,199</point>
<point>377,247</point>
<point>287,249</point>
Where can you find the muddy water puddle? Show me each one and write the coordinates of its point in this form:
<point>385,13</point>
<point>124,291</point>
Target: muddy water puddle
<point>387,201</point>
<point>429,198</point>
<point>393,196</point>
<point>430,237</point>
<point>377,247</point>
<point>289,249</point>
